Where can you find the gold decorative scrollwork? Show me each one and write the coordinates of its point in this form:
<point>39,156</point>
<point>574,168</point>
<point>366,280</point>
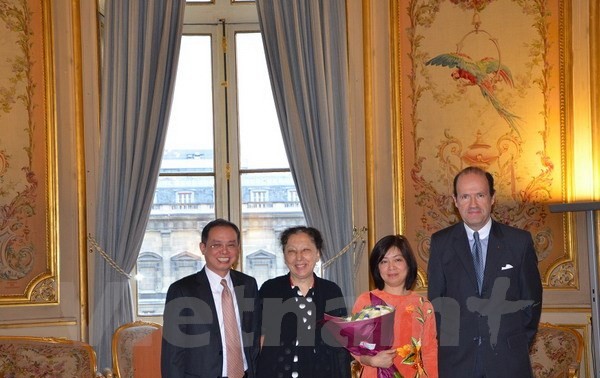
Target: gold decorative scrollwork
<point>563,275</point>
<point>45,291</point>
<point>28,163</point>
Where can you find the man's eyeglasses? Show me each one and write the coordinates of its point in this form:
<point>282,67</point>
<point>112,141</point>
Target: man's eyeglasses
<point>220,246</point>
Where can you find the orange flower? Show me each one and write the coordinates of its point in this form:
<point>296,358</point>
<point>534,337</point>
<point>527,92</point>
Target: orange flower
<point>410,308</point>
<point>404,351</point>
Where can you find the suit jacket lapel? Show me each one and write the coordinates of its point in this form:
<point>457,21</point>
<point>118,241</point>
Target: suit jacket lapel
<point>239,292</point>
<point>462,249</point>
<point>205,294</point>
<point>494,254</point>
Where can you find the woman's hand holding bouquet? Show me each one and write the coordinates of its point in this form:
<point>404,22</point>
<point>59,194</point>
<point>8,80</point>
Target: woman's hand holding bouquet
<point>367,333</point>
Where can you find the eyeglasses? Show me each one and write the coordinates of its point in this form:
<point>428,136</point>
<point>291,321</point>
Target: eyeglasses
<point>220,246</point>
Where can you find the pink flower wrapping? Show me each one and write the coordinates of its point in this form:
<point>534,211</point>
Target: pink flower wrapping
<point>367,336</point>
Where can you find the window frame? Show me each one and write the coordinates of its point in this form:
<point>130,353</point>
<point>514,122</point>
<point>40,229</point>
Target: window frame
<point>201,19</point>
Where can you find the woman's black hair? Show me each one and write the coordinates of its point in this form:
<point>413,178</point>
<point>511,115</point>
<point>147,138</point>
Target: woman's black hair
<point>378,253</point>
<point>312,232</point>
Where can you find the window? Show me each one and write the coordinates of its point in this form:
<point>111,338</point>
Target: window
<point>184,264</point>
<point>258,198</point>
<point>223,156</point>
<point>184,197</point>
<point>292,198</point>
<point>149,281</point>
<point>263,265</point>
<point>149,272</point>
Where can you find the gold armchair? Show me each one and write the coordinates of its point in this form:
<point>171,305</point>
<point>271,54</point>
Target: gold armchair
<point>136,350</point>
<point>556,352</point>
<point>27,356</point>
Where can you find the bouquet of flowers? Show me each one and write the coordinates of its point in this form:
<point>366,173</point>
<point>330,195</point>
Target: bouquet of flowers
<point>367,332</point>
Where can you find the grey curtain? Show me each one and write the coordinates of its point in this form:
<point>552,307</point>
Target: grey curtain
<point>305,45</point>
<point>141,50</point>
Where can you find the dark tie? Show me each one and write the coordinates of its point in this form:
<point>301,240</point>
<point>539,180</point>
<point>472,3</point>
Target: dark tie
<point>235,363</point>
<point>478,260</point>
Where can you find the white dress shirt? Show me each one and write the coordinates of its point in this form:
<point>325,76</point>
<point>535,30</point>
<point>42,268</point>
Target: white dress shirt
<point>484,234</point>
<point>217,289</point>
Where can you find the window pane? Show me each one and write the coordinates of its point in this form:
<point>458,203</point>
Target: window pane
<point>190,137</point>
<point>267,210</point>
<point>261,144</point>
<point>170,250</point>
<point>184,201</point>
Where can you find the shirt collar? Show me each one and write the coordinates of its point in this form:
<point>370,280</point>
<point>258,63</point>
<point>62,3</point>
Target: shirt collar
<point>484,232</point>
<point>215,280</point>
<point>293,286</point>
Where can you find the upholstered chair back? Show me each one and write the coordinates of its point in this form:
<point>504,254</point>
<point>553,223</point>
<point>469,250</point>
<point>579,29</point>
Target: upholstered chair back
<point>556,352</point>
<point>24,356</point>
<point>136,350</point>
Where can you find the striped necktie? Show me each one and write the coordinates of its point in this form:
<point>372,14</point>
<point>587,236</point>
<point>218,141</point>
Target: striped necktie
<point>478,260</point>
<point>235,363</point>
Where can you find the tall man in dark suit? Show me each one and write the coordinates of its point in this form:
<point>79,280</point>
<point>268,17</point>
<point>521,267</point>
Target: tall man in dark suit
<point>487,323</point>
<point>195,316</point>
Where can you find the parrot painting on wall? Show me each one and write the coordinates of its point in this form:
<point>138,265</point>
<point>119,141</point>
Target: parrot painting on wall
<point>484,73</point>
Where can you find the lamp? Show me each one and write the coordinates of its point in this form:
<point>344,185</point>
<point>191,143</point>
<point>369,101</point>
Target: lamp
<point>590,209</point>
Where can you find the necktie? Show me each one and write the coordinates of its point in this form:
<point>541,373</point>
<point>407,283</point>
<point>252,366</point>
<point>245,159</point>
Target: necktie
<point>235,363</point>
<point>478,260</point>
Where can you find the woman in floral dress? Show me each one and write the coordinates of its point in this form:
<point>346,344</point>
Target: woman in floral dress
<point>393,268</point>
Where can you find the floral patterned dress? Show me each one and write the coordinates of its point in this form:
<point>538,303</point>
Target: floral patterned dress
<point>414,334</point>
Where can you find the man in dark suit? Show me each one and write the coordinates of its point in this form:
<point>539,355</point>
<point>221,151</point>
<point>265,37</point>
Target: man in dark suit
<point>194,342</point>
<point>485,286</point>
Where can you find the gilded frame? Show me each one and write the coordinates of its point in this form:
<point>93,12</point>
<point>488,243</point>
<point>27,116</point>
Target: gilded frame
<point>28,190</point>
<point>503,120</point>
